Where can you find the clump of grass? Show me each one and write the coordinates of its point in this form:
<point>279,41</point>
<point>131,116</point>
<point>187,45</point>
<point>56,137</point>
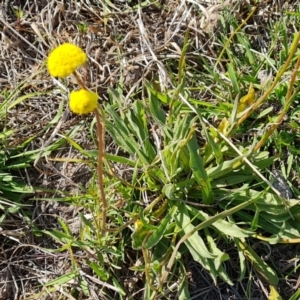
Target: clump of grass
<point>13,157</point>
<point>205,192</point>
<point>186,178</point>
<point>186,197</point>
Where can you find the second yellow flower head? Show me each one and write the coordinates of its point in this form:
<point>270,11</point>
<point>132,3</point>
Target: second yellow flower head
<point>65,59</point>
<point>83,101</point>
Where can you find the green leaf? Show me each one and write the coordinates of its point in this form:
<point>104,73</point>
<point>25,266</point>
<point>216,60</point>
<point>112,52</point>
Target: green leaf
<point>244,41</point>
<point>140,235</point>
<point>224,168</point>
<point>214,148</point>
<point>103,275</point>
<point>138,122</point>
<point>242,259</point>
<point>184,292</point>
<point>84,286</point>
<point>194,243</point>
<point>63,279</point>
<point>120,133</point>
<point>265,112</point>
<point>230,180</point>
<point>155,107</point>
<point>220,256</point>
<point>123,136</point>
<point>224,227</point>
<point>233,77</point>
<point>261,267</point>
<point>161,229</point>
<point>196,164</point>
<point>297,294</point>
<point>158,95</point>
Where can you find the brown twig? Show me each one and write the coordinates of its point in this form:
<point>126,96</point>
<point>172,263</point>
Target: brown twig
<point>100,176</point>
<point>100,169</point>
<point>79,81</point>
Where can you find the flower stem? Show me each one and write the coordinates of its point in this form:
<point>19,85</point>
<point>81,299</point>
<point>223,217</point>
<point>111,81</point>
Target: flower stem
<point>79,81</point>
<point>100,134</point>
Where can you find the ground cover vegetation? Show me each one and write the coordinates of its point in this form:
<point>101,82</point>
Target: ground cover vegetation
<point>183,183</point>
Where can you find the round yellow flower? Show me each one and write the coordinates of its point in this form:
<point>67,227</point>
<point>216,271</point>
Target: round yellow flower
<point>83,101</point>
<point>65,59</point>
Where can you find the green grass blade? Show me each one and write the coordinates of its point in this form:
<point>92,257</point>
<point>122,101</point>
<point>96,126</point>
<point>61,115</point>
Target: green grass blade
<point>196,164</point>
<point>262,267</point>
<point>161,229</point>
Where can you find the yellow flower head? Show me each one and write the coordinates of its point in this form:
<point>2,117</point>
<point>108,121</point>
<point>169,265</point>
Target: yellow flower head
<point>83,101</point>
<point>65,59</point>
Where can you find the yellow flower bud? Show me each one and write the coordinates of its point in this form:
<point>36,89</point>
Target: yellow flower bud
<point>83,101</point>
<point>223,126</point>
<point>65,59</point>
<point>247,99</point>
<point>250,97</point>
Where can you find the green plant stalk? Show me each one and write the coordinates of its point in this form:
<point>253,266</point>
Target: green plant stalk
<point>147,273</point>
<point>154,202</point>
<point>279,241</point>
<point>289,98</point>
<point>277,78</point>
<point>183,56</point>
